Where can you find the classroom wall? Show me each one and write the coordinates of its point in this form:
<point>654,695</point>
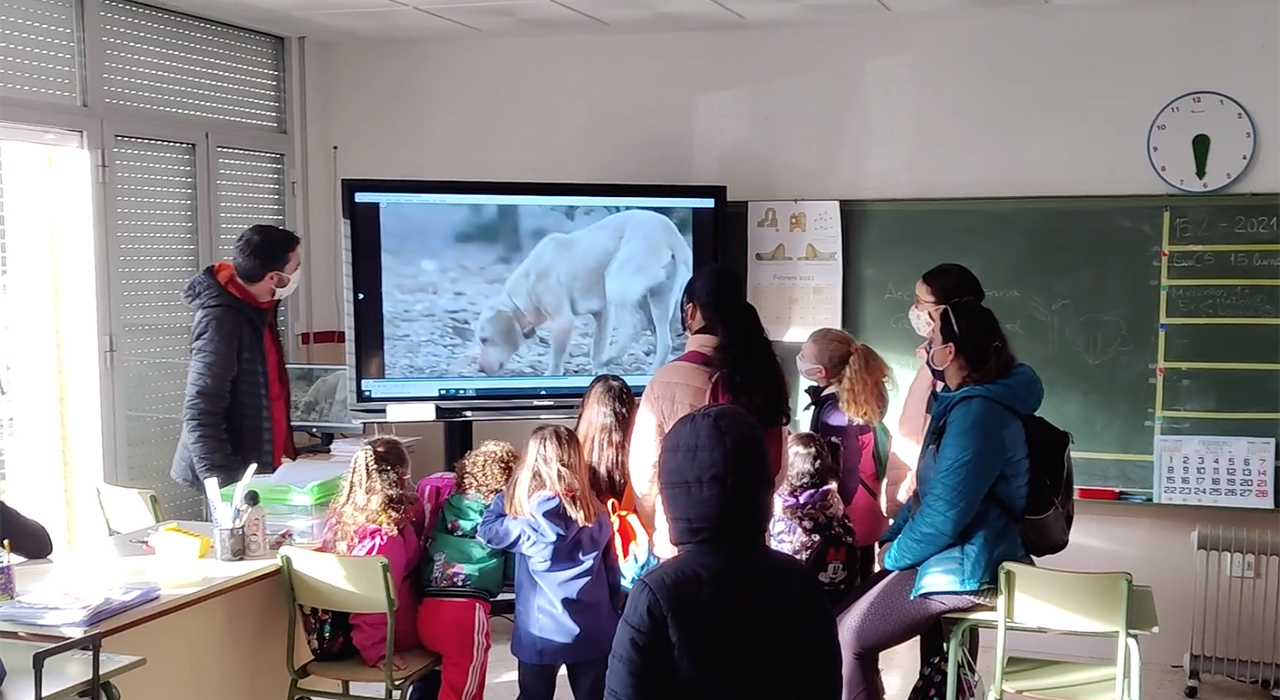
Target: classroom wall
<point>1036,101</point>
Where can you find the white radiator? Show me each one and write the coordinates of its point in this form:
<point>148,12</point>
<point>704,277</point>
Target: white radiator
<point>1235,624</point>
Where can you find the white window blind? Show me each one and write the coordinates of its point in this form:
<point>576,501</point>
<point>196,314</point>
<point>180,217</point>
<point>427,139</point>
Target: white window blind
<point>153,217</point>
<point>172,63</point>
<point>40,50</point>
<point>250,189</point>
<point>6,410</point>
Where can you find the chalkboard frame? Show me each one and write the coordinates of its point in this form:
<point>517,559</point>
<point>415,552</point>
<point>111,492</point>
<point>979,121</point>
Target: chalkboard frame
<point>733,246</point>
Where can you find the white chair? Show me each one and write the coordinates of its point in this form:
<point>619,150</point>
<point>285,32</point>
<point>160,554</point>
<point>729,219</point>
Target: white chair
<point>1033,599</point>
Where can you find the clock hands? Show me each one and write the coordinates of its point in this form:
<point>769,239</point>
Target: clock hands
<point>1200,149</point>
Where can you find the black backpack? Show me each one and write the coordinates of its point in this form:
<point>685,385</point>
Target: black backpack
<point>1045,524</point>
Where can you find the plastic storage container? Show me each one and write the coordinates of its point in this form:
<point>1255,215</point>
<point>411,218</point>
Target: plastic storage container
<point>302,507</point>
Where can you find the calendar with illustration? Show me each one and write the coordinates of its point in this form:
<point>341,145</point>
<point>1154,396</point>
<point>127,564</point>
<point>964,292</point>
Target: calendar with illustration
<point>795,266</point>
<point>1235,472</point>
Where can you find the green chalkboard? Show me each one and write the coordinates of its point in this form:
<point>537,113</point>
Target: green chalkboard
<point>1095,293</point>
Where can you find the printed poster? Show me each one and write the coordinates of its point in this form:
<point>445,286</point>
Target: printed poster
<point>795,266</point>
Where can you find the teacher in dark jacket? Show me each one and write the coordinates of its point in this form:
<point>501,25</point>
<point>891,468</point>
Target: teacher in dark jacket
<point>236,410</point>
<point>693,625</point>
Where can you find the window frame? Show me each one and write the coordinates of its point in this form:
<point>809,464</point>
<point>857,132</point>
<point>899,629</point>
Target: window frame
<point>100,124</point>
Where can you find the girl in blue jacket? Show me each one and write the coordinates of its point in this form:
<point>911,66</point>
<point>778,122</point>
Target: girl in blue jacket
<point>946,544</point>
<point>568,585</point>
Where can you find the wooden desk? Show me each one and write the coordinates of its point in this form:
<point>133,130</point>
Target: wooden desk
<point>64,676</point>
<point>214,620</point>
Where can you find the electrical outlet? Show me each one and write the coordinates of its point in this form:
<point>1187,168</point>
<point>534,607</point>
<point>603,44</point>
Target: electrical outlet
<point>1237,565</point>
<point>1249,563</point>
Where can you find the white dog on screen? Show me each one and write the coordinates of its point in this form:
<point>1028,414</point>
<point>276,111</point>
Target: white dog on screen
<point>605,270</point>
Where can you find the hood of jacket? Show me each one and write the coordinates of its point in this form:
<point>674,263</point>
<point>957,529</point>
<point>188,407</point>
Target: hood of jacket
<point>207,291</point>
<point>1020,391</point>
<point>461,514</point>
<point>715,479</point>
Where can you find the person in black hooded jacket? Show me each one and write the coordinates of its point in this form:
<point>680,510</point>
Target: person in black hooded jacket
<point>235,411</point>
<point>727,617</point>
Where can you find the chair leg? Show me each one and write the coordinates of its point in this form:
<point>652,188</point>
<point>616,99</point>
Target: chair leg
<point>954,643</point>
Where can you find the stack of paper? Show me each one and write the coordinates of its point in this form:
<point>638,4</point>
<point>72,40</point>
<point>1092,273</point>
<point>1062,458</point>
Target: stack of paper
<point>79,609</point>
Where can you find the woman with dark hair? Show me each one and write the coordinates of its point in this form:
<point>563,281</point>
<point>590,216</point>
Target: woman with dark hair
<point>941,285</point>
<point>946,544</point>
<point>726,341</point>
<point>604,429</point>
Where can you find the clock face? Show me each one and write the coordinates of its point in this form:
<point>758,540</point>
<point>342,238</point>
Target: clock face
<point>1201,142</point>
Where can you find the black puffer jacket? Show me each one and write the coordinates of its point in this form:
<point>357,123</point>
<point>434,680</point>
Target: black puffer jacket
<point>693,625</point>
<point>226,414</point>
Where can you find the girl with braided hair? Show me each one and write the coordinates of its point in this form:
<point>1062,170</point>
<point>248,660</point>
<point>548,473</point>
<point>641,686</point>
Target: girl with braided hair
<point>376,513</point>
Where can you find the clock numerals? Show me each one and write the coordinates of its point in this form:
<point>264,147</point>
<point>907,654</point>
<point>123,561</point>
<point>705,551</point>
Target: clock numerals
<point>1195,139</point>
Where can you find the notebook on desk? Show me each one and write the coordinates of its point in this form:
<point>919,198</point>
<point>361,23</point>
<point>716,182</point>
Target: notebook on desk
<point>74,609</point>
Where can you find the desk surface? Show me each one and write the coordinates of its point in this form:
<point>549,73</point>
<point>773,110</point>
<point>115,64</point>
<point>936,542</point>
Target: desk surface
<point>183,582</point>
<point>65,675</point>
<point>1142,613</point>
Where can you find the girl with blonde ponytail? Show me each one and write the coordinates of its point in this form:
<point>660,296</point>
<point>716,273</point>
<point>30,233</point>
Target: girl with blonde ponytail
<point>849,400</point>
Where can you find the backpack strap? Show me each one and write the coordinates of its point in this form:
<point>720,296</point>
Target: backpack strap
<point>695,357</point>
<point>882,440</point>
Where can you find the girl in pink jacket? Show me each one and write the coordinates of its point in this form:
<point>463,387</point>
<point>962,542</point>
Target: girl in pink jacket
<point>849,401</point>
<point>376,513</point>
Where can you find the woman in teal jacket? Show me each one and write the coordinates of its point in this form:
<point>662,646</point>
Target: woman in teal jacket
<point>946,544</point>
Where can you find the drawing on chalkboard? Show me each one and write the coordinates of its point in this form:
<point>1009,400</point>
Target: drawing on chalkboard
<point>778,254</point>
<point>797,223</point>
<point>813,254</point>
<point>1099,338</point>
<point>769,220</point>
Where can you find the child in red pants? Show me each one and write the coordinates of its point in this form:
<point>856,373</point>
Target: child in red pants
<point>459,575</point>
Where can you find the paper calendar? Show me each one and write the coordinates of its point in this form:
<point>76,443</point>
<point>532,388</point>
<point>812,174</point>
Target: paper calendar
<point>795,266</point>
<point>1236,472</point>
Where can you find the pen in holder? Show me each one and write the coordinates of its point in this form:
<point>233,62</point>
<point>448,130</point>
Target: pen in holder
<point>228,543</point>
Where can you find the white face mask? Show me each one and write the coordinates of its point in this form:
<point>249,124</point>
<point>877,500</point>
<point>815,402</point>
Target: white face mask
<point>807,370</point>
<point>290,287</point>
<point>921,321</point>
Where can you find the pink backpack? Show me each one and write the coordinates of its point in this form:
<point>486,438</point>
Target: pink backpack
<point>434,490</point>
<point>716,393</point>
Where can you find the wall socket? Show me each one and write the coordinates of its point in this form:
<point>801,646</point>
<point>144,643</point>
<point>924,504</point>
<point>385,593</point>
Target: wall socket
<point>1240,565</point>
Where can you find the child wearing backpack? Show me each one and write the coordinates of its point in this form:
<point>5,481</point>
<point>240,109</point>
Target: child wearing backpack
<point>809,521</point>
<point>849,400</point>
<point>459,575</point>
<point>604,430</point>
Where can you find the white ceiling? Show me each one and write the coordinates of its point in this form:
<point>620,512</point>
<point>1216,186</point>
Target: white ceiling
<point>354,20</point>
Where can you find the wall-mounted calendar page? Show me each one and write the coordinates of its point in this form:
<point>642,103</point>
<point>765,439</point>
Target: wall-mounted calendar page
<point>1234,472</point>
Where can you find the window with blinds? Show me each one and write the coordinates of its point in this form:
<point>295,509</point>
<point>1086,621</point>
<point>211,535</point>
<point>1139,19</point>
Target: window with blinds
<point>249,189</point>
<point>167,62</point>
<point>153,231</point>
<point>6,411</point>
<point>40,50</point>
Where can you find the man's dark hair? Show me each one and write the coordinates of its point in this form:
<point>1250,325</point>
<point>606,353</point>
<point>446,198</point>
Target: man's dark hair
<point>261,250</point>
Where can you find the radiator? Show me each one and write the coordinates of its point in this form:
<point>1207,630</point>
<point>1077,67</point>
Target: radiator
<point>1235,624</point>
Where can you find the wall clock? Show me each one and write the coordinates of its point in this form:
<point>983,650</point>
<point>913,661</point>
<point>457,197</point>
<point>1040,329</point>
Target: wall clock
<point>1201,142</point>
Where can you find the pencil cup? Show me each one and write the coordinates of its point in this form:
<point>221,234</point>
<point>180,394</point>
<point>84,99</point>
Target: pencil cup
<point>8,585</point>
<point>228,543</point>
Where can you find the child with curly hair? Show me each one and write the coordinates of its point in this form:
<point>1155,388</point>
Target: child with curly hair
<point>809,520</point>
<point>460,574</point>
<point>375,514</point>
